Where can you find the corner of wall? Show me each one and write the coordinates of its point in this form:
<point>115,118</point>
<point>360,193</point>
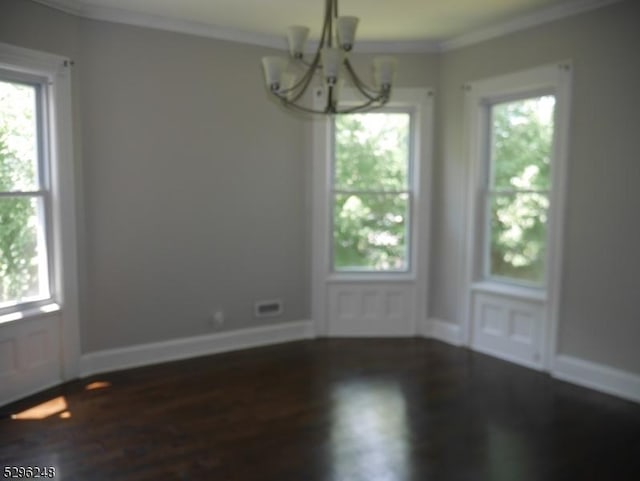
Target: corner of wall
<point>445,331</point>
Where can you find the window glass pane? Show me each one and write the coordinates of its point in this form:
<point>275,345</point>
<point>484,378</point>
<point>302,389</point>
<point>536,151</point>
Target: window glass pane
<point>372,151</point>
<point>370,232</point>
<point>518,236</point>
<point>23,263</point>
<point>521,140</point>
<point>18,137</point>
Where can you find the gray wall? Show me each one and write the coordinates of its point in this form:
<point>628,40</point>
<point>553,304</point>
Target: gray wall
<point>600,312</point>
<point>413,69</point>
<point>194,187</point>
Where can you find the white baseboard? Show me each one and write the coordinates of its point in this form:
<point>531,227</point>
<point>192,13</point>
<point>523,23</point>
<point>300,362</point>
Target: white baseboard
<point>173,350</point>
<point>520,361</point>
<point>597,376</point>
<point>567,368</point>
<point>444,331</point>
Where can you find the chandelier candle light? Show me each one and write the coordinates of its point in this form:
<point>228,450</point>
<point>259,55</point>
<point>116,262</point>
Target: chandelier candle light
<point>333,64</point>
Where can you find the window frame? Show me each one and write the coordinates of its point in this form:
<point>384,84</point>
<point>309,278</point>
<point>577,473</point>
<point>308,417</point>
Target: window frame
<point>63,253</point>
<point>421,101</point>
<point>490,191</point>
<point>555,78</point>
<point>410,191</point>
<point>43,192</point>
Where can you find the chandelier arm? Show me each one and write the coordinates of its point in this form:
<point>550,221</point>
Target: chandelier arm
<point>303,62</point>
<point>365,106</point>
<point>362,87</point>
<point>330,22</point>
<point>327,18</point>
<point>368,95</point>
<point>304,82</point>
<point>315,63</point>
<point>331,105</point>
<point>290,105</point>
<point>358,108</point>
<point>356,79</point>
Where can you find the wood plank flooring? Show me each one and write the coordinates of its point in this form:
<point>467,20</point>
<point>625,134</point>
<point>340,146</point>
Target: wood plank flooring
<point>327,410</point>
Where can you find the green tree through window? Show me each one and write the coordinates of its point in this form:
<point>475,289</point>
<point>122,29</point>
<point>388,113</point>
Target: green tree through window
<point>371,196</point>
<point>518,194</point>
<point>23,273</point>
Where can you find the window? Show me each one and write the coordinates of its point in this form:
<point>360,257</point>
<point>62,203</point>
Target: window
<point>518,190</point>
<point>24,196</point>
<point>517,129</point>
<point>371,192</point>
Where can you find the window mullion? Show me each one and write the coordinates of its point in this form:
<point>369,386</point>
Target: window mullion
<point>32,193</point>
<point>518,191</point>
<point>370,192</point>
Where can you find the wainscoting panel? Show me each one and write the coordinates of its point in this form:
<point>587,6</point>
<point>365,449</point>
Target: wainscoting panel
<point>508,328</point>
<point>30,356</point>
<point>371,309</point>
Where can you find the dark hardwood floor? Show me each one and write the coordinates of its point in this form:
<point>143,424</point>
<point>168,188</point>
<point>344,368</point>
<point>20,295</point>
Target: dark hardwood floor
<point>339,410</point>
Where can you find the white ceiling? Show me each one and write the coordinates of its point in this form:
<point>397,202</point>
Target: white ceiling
<point>429,22</point>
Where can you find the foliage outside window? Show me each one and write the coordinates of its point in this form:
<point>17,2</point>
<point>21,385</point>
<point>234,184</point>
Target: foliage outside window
<point>23,256</point>
<point>371,192</point>
<point>519,187</point>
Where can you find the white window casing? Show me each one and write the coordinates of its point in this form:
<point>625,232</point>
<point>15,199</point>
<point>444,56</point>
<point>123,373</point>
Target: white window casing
<point>54,74</point>
<point>554,79</point>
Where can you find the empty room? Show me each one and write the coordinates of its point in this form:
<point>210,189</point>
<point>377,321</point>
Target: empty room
<point>338,240</point>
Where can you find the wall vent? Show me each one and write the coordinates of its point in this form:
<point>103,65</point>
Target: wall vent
<point>270,308</point>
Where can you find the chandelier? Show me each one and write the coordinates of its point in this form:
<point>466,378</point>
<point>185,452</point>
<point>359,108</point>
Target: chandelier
<point>331,62</point>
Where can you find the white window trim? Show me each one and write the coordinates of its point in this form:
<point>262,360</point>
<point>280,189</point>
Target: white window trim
<point>409,271</point>
<point>42,191</point>
<point>62,223</point>
<point>530,289</point>
<point>556,79</point>
<point>420,101</point>
<point>416,102</point>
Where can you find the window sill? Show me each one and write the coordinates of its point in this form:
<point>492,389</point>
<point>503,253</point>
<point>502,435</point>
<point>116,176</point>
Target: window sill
<point>371,277</point>
<point>29,312</point>
<point>509,290</point>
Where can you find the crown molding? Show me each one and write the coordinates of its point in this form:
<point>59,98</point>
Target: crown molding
<point>116,15</point>
<point>157,22</point>
<point>79,8</point>
<point>541,17</point>
<point>400,46</point>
